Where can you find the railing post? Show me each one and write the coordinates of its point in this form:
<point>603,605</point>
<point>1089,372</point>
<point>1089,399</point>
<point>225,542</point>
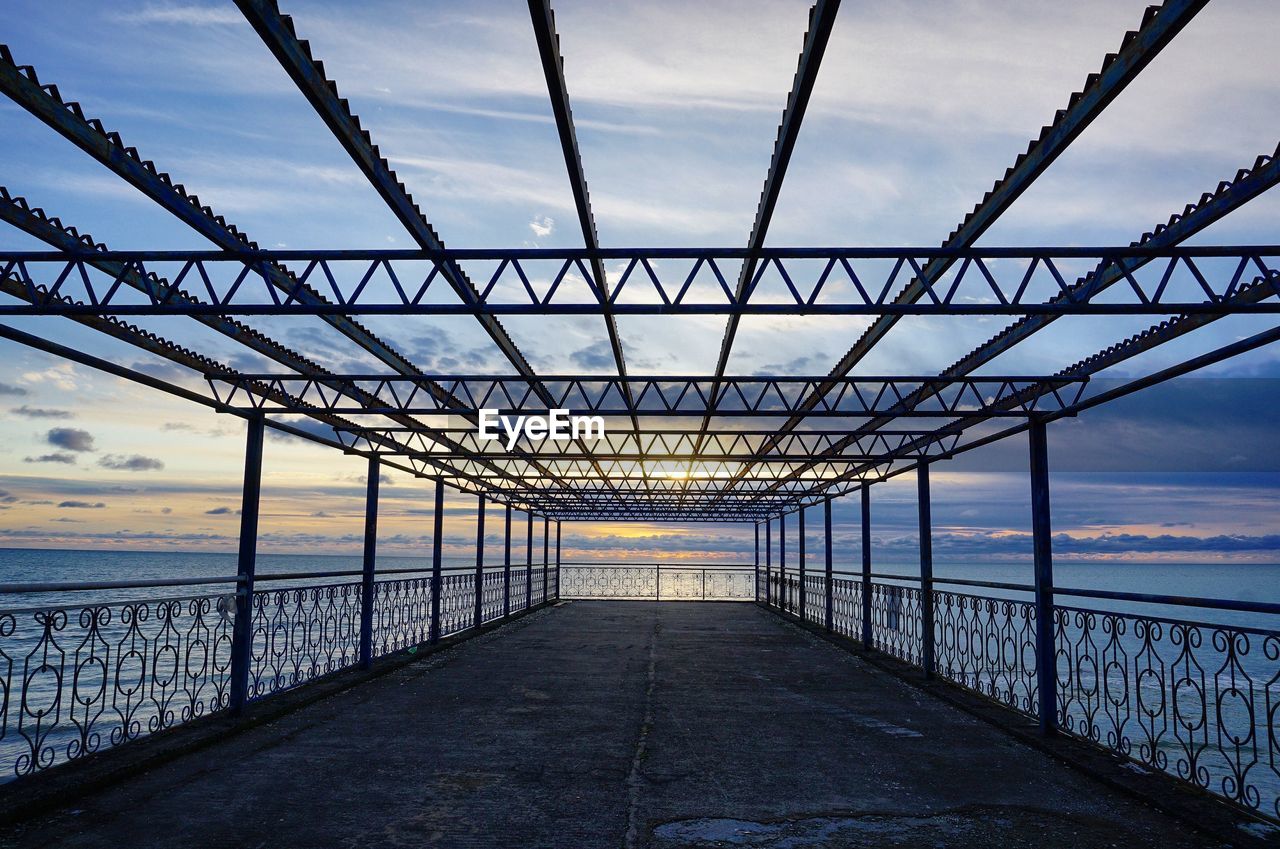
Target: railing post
<point>546,542</point>
<point>1042,548</point>
<point>367,587</point>
<point>557,560</point>
<point>926,571</point>
<point>528,562</point>
<point>800,602</point>
<point>436,577</point>
<point>782,562</point>
<point>756,585</point>
<point>506,569</point>
<point>479,611</point>
<point>242,633</point>
<point>867,637</point>
<point>768,561</point>
<point>826,523</point>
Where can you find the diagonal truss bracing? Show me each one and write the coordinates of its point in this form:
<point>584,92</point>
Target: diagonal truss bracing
<point>835,432</point>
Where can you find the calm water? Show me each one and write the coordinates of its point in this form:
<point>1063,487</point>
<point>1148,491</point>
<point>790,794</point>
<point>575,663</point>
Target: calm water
<point>1240,581</point>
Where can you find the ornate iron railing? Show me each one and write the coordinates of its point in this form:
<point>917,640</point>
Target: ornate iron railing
<point>1197,700</point>
<point>657,582</point>
<point>79,679</point>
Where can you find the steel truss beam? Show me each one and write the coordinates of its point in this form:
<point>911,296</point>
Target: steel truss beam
<point>836,281</point>
<point>277,32</point>
<point>16,211</point>
<point>1158,28</point>
<point>739,397</point>
<point>22,84</point>
<point>1229,196</point>
<point>544,28</point>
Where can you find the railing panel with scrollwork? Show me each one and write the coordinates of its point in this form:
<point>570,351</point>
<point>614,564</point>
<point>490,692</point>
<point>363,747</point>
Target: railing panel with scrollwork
<point>1198,701</point>
<point>987,645</point>
<point>896,621</point>
<point>846,607</point>
<point>658,583</point>
<point>77,680</point>
<point>491,596</point>
<point>301,633</point>
<point>538,595</point>
<point>519,592</point>
<point>815,598</point>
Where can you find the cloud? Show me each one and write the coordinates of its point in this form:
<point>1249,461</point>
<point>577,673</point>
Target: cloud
<point>383,478</point>
<point>70,438</point>
<point>221,511</point>
<point>9,389</point>
<point>166,510</point>
<point>42,413</point>
<point>57,457</point>
<point>542,226</point>
<point>82,505</point>
<point>597,356</point>
<point>182,14</point>
<point>135,463</point>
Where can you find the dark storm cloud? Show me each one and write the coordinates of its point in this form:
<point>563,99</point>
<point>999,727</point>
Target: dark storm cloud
<point>9,389</point>
<point>220,511</point>
<point>57,457</point>
<point>70,438</point>
<point>82,505</point>
<point>1187,425</point>
<point>135,463</point>
<point>597,356</point>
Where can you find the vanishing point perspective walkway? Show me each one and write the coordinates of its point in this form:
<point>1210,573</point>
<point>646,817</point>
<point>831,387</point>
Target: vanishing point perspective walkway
<point>618,724</point>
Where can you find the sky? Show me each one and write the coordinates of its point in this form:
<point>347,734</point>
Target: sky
<point>917,109</point>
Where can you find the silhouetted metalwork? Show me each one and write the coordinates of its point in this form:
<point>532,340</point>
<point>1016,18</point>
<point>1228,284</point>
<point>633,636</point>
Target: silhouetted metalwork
<point>1195,699</point>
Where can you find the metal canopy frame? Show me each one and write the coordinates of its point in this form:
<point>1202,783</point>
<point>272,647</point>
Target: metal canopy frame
<point>824,435</point>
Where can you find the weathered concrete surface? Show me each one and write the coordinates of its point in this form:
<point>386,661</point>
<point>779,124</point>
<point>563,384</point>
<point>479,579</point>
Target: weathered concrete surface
<point>608,724</point>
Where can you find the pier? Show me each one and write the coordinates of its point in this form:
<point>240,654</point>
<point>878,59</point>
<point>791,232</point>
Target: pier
<point>801,696</point>
<point>619,724</point>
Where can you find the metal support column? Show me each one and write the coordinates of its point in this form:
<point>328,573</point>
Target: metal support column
<point>506,570</point>
<point>926,571</point>
<point>436,551</point>
<point>768,561</point>
<point>782,561</point>
<point>546,543</point>
<point>528,563</point>
<point>370,554</point>
<point>479,611</point>
<point>756,585</point>
<point>867,640</point>
<point>242,633</point>
<point>1042,548</point>
<point>826,522</point>
<point>557,559</point>
<point>800,602</point>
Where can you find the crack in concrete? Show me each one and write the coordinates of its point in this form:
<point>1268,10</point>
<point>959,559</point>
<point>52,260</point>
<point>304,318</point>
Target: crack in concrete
<point>635,781</point>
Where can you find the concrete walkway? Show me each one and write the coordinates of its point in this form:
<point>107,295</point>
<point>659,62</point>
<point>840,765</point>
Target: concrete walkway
<point>618,724</point>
